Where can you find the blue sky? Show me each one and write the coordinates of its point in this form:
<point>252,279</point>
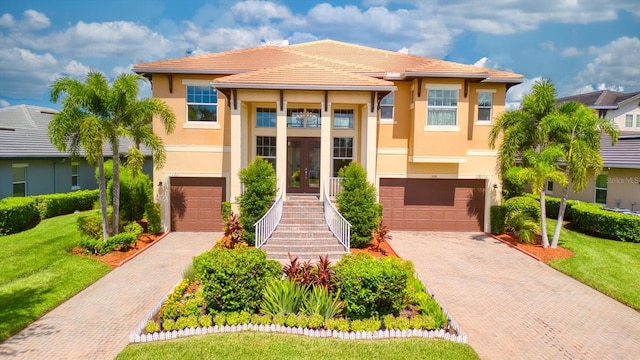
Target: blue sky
<point>582,45</point>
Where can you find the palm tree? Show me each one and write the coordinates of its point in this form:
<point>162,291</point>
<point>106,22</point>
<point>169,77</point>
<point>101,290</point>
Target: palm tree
<point>577,128</point>
<point>81,125</point>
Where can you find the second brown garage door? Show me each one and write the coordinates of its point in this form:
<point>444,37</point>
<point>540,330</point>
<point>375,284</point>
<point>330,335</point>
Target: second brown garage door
<point>196,203</point>
<point>433,204</point>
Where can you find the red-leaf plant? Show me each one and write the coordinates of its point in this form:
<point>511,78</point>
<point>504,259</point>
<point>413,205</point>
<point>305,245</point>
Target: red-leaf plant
<point>232,231</point>
<point>325,273</point>
<point>381,235</point>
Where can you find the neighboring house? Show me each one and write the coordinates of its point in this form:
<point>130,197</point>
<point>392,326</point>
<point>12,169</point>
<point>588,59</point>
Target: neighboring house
<point>418,126</point>
<point>30,165</point>
<point>622,108</point>
<point>618,185</point>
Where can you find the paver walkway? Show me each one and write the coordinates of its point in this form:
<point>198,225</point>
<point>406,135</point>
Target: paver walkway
<point>514,307</point>
<point>96,323</point>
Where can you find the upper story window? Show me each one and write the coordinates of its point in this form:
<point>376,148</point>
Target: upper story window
<point>485,104</point>
<point>342,153</point>
<point>343,119</point>
<point>628,121</point>
<point>202,103</point>
<point>303,118</point>
<point>386,108</point>
<point>442,107</point>
<point>20,179</point>
<point>74,176</point>
<point>638,120</point>
<point>265,117</point>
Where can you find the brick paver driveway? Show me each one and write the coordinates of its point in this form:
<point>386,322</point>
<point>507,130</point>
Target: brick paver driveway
<point>96,323</point>
<point>514,307</point>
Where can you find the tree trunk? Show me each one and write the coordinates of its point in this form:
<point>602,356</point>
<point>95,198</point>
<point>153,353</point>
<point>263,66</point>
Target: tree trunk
<point>561,210</point>
<point>543,220</point>
<point>103,198</point>
<point>115,149</point>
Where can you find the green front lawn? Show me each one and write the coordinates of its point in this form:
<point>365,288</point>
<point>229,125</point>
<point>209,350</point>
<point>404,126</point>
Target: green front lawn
<point>38,272</point>
<point>611,267</point>
<point>250,345</point>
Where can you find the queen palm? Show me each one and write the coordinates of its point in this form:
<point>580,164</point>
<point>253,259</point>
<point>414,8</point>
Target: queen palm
<point>94,113</point>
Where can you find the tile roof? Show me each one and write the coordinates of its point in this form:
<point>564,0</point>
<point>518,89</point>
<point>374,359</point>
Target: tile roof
<point>624,154</point>
<point>24,134</point>
<point>602,98</point>
<point>333,55</point>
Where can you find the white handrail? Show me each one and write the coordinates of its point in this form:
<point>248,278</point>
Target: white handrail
<point>268,223</point>
<point>338,225</point>
<point>334,187</point>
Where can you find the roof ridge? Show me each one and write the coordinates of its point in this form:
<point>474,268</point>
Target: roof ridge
<point>209,55</point>
<point>361,47</point>
<point>28,116</point>
<point>329,60</point>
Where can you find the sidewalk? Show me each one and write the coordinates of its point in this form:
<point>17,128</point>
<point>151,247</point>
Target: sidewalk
<point>96,323</point>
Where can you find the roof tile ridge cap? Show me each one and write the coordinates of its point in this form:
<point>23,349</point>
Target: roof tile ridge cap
<point>379,50</point>
<point>601,97</point>
<point>26,110</point>
<point>208,55</point>
<point>441,61</point>
<point>330,60</point>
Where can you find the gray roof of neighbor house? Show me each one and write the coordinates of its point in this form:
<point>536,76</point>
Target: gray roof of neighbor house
<point>624,154</point>
<point>602,99</point>
<point>24,134</point>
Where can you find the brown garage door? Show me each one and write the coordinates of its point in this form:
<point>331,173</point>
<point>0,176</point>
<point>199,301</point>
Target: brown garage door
<point>433,204</point>
<point>196,203</point>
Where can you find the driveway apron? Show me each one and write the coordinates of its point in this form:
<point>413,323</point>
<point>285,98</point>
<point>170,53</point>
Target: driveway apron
<point>96,323</point>
<point>513,307</point>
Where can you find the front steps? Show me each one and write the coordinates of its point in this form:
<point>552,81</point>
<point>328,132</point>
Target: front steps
<point>303,232</point>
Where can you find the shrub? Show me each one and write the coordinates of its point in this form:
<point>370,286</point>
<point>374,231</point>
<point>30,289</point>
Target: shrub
<point>389,322</point>
<point>370,287</point>
<point>283,297</point>
<point>372,324</point>
<point>190,308</point>
<point>168,325</point>
<point>245,317</point>
<point>315,321</point>
<point>331,324</point>
<point>91,245</point>
<point>320,302</point>
<point>357,203</point>
<point>302,321</point>
<point>402,323</point>
<point>121,241</point>
<point>182,323</point>
<point>338,324</point>
<point>279,319</point>
<point>233,280</point>
<point>17,214</point>
<point>552,205</point>
<point>226,211</point>
<point>357,325</point>
<point>152,214</point>
<point>424,322</point>
<point>233,318</point>
<point>219,319</point>
<point>192,321</point>
<point>259,181</point>
<point>428,306</point>
<point>265,320</point>
<point>498,216</point>
<point>233,231</point>
<point>152,327</point>
<point>52,205</point>
<point>291,320</point>
<point>523,225</point>
<point>190,274</point>
<point>91,225</point>
<point>136,191</point>
<point>381,235</point>
<point>592,219</point>
<point>205,320</point>
<point>133,228</point>
<point>522,204</point>
<point>170,310</point>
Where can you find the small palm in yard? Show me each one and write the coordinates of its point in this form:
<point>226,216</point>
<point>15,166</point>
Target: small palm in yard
<point>524,226</point>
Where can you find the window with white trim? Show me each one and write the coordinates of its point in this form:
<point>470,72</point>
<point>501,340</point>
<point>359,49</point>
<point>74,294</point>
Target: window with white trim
<point>265,117</point>
<point>74,176</point>
<point>638,120</point>
<point>601,188</point>
<point>202,104</point>
<point>629,121</point>
<point>20,179</point>
<point>442,107</point>
<point>485,104</point>
<point>386,107</point>
<point>266,148</point>
<point>549,187</point>
<point>343,119</point>
<point>342,153</point>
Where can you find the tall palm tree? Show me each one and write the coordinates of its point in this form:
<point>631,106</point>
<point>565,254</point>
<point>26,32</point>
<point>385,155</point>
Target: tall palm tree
<point>81,125</point>
<point>576,129</point>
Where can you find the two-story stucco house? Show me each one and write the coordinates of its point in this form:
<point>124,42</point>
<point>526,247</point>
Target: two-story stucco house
<point>419,127</point>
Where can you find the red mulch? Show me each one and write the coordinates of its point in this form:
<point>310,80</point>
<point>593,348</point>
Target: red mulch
<point>536,249</point>
<point>371,249</point>
<point>116,258</point>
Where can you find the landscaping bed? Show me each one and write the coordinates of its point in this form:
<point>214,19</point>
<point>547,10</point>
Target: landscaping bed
<point>119,257</point>
<point>535,249</point>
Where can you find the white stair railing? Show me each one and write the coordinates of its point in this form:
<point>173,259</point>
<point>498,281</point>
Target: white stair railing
<point>334,188</point>
<point>268,223</point>
<point>338,225</point>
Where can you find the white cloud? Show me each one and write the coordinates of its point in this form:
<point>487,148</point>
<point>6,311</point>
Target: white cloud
<point>486,63</point>
<point>615,64</point>
<point>218,39</point>
<point>260,11</point>
<point>548,45</point>
<point>31,20</point>
<point>4,103</point>
<point>597,87</point>
<point>516,93</point>
<point>570,51</point>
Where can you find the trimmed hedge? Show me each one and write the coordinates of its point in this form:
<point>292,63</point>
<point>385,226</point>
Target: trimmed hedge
<point>592,219</point>
<point>552,205</point>
<point>52,205</point>
<point>498,217</point>
<point>16,214</point>
<point>523,204</point>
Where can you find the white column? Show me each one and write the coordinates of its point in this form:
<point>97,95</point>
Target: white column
<point>245,142</point>
<point>371,134</point>
<point>235,154</point>
<point>326,145</point>
<point>281,145</point>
